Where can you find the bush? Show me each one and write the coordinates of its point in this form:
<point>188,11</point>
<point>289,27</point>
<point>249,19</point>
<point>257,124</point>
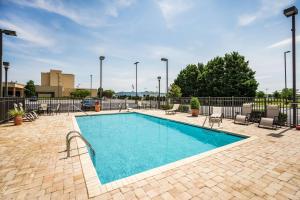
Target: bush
<point>195,104</point>
<point>282,119</point>
<point>184,108</point>
<point>166,107</point>
<point>15,113</point>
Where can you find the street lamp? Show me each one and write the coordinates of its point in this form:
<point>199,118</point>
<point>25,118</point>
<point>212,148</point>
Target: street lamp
<point>6,32</point>
<point>285,85</point>
<point>158,78</point>
<point>136,94</point>
<point>91,76</point>
<point>6,66</point>
<point>167,74</point>
<point>101,58</point>
<point>292,12</point>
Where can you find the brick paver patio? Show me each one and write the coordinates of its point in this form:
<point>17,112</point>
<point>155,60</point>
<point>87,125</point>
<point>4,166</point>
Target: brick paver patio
<point>33,166</point>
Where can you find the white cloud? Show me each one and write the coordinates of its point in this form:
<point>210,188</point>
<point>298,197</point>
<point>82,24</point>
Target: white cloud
<point>29,31</point>
<point>268,8</point>
<point>78,13</point>
<point>284,42</point>
<point>172,8</point>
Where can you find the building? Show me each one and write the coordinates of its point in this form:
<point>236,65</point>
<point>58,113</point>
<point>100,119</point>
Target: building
<point>57,84</point>
<point>14,89</point>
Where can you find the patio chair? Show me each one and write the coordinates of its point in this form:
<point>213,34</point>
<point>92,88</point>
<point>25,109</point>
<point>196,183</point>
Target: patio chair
<point>244,116</point>
<point>140,105</point>
<point>27,116</point>
<point>271,119</point>
<point>216,116</point>
<point>128,108</point>
<point>55,110</point>
<point>33,113</point>
<point>173,109</point>
<point>43,108</point>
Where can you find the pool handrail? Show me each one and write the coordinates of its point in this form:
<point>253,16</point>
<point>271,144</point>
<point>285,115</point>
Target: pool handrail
<point>78,134</point>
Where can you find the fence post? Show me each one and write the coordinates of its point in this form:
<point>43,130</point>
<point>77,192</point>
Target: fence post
<point>232,107</point>
<point>265,105</point>
<point>209,105</point>
<point>109,104</point>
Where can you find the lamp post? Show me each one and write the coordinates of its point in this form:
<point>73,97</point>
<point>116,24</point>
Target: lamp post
<point>6,32</point>
<point>101,58</point>
<point>158,78</point>
<point>285,85</point>
<point>136,94</point>
<point>91,76</point>
<point>167,74</point>
<point>292,12</point>
<point>6,66</point>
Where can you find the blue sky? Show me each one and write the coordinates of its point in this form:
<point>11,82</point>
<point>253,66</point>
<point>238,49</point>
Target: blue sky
<point>71,34</point>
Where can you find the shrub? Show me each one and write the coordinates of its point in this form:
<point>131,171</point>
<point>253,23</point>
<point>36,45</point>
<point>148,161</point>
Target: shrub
<point>166,107</point>
<point>184,108</point>
<point>15,113</point>
<point>195,104</point>
<point>282,118</point>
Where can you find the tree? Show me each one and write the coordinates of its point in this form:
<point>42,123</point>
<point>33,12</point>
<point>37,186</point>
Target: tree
<point>175,91</point>
<point>260,94</point>
<point>80,93</point>
<point>287,93</point>
<point>98,92</point>
<point>276,94</point>
<point>187,79</point>
<point>30,89</point>
<point>222,76</point>
<point>108,93</point>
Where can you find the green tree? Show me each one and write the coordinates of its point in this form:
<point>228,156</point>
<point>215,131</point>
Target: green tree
<point>108,93</point>
<point>175,91</point>
<point>80,93</point>
<point>260,94</point>
<point>98,92</point>
<point>187,79</point>
<point>30,89</point>
<point>276,94</point>
<point>222,76</point>
<point>287,93</point>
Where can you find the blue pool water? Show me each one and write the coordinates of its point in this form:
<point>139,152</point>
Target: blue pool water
<point>127,144</point>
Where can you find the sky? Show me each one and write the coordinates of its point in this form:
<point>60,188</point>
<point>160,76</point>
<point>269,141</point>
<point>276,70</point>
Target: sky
<point>70,35</point>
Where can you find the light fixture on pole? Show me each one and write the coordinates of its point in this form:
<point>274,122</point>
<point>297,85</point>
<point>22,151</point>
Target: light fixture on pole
<point>6,66</point>
<point>101,58</point>
<point>158,78</point>
<point>91,76</point>
<point>136,94</point>
<point>6,32</point>
<point>167,74</point>
<point>285,84</point>
<point>292,12</point>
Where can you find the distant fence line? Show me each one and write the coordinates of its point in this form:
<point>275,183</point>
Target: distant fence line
<point>230,105</point>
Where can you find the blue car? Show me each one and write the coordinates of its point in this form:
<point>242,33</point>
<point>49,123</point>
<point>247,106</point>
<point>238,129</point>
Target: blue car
<point>88,104</point>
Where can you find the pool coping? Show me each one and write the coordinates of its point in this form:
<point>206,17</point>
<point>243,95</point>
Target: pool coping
<point>93,183</point>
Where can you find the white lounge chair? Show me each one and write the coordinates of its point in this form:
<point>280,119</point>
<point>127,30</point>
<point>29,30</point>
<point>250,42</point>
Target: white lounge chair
<point>173,109</point>
<point>33,113</point>
<point>271,118</point>
<point>216,116</point>
<point>244,116</point>
<point>128,108</point>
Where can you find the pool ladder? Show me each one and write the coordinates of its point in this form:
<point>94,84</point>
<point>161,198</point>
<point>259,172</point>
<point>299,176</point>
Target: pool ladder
<point>73,134</point>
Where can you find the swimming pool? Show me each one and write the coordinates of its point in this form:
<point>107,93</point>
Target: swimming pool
<point>130,143</point>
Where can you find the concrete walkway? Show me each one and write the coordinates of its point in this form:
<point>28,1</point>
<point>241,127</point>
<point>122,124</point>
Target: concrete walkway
<point>33,166</point>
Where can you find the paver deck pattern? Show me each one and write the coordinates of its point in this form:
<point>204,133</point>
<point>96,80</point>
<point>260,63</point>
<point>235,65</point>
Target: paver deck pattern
<point>33,166</point>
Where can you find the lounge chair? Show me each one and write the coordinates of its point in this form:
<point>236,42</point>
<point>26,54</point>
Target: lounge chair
<point>43,108</point>
<point>271,119</point>
<point>27,116</point>
<point>244,116</point>
<point>55,110</point>
<point>33,113</point>
<point>140,105</point>
<point>216,116</point>
<point>173,109</point>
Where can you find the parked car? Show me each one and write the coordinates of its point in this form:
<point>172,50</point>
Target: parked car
<point>33,98</point>
<point>88,104</point>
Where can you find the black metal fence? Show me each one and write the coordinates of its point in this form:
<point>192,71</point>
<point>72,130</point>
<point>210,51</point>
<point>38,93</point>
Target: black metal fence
<point>6,104</point>
<point>232,105</point>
